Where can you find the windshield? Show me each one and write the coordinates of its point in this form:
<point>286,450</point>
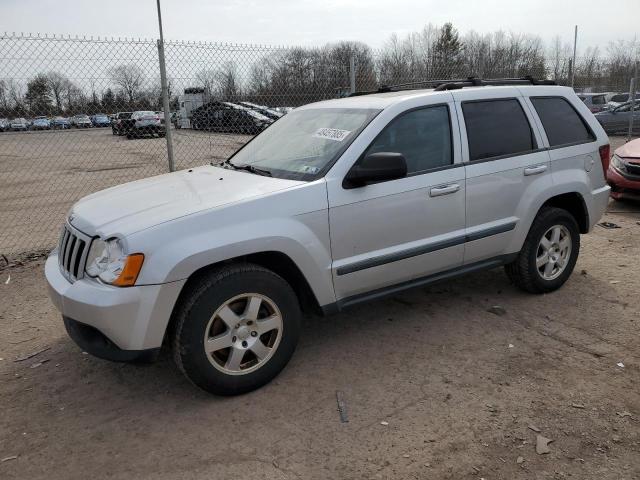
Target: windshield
<point>304,143</point>
<point>620,98</point>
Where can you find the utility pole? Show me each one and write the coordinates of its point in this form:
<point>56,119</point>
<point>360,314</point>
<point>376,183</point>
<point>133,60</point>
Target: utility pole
<point>165,93</point>
<point>352,73</point>
<point>573,63</point>
<point>632,97</point>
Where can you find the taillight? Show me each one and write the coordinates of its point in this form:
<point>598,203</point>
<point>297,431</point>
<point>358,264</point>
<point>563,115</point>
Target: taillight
<point>605,157</point>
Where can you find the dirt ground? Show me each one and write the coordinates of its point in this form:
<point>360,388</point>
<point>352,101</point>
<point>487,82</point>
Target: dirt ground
<point>435,386</point>
<point>43,173</point>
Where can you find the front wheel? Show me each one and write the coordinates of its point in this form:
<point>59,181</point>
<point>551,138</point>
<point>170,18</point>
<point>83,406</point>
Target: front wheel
<point>236,329</point>
<point>549,253</point>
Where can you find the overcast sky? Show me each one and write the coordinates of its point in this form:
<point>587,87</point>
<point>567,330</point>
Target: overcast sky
<point>305,22</point>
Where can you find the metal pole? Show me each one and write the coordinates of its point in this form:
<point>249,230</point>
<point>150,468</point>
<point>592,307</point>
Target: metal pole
<point>352,73</point>
<point>165,93</point>
<point>632,97</point>
<point>573,65</point>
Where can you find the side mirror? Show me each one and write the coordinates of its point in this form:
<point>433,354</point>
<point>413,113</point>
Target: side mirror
<point>376,167</point>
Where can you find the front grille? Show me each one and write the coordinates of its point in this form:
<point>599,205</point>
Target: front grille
<point>72,253</point>
<point>633,168</point>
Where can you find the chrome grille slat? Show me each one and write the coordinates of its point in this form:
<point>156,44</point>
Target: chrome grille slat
<point>72,261</point>
<point>72,253</point>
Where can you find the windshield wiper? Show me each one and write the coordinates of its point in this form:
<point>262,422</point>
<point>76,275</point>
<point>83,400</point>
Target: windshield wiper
<point>249,168</point>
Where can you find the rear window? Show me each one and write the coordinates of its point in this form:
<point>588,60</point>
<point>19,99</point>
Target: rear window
<point>496,128</point>
<point>562,124</point>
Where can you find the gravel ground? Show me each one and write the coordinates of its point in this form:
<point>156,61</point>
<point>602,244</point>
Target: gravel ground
<point>435,386</point>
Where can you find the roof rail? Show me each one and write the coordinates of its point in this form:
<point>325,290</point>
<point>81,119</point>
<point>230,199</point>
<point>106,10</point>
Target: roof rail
<point>455,84</point>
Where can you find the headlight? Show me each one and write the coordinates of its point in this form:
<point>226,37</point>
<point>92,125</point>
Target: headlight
<point>618,163</point>
<point>108,261</point>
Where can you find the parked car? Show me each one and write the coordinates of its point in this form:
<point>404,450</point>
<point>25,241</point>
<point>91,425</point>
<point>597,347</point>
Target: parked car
<point>118,125</point>
<point>60,123</point>
<point>618,99</point>
<point>596,102</point>
<point>41,123</point>
<point>144,123</point>
<point>616,121</point>
<point>623,174</point>
<point>19,124</point>
<point>228,117</point>
<point>5,125</point>
<point>266,111</point>
<point>337,203</point>
<point>81,121</point>
<point>100,120</point>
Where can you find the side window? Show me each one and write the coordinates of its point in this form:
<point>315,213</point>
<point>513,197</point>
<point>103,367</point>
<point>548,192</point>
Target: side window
<point>423,136</point>
<point>598,100</point>
<point>497,128</point>
<point>562,123</point>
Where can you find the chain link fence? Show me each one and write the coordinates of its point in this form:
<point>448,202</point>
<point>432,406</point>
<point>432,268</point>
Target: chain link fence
<point>78,115</point>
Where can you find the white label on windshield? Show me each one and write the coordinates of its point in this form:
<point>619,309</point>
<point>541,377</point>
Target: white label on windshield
<point>332,134</point>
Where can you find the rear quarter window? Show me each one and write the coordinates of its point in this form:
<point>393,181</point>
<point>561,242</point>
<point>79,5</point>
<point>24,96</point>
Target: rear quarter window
<point>497,128</point>
<point>562,123</point>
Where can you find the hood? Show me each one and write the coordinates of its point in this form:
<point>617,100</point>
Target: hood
<point>629,150</point>
<point>138,205</point>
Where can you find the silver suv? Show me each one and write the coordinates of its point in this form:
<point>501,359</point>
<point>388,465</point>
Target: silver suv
<point>336,203</point>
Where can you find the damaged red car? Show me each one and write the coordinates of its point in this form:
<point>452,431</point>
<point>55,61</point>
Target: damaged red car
<point>623,174</point>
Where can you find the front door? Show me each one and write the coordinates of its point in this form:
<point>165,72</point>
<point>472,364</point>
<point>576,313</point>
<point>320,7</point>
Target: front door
<point>399,230</point>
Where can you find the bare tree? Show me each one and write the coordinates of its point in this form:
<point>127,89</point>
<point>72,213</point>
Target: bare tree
<point>129,78</point>
<point>57,84</point>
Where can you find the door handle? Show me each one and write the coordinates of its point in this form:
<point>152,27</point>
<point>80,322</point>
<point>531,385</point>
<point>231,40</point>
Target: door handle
<point>444,190</point>
<point>535,170</point>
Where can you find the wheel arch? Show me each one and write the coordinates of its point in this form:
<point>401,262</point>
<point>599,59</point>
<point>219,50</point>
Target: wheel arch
<point>574,203</point>
<point>278,262</point>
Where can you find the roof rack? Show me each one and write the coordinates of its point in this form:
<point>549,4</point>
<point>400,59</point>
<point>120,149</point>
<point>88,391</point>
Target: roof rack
<point>455,84</point>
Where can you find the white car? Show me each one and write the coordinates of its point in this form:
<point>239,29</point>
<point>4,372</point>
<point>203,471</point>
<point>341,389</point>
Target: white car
<point>335,204</point>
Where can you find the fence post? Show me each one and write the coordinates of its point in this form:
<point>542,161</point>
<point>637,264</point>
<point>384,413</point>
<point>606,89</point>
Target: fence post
<point>165,94</point>
<point>632,96</point>
<point>352,73</point>
<point>573,60</point>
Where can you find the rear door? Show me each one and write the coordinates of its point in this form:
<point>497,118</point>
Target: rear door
<point>505,163</point>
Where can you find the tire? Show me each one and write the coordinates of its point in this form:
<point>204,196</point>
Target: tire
<point>129,136</point>
<point>232,367</point>
<point>525,273</point>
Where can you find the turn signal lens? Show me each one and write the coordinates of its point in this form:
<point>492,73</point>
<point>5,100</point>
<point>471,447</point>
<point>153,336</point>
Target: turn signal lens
<point>130,271</point>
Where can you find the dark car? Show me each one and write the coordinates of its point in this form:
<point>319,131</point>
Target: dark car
<point>100,120</point>
<point>60,123</point>
<point>228,117</point>
<point>623,174</point>
<point>617,120</point>
<point>144,123</point>
<point>266,111</point>
<point>41,123</point>
<point>118,126</point>
<point>596,102</point>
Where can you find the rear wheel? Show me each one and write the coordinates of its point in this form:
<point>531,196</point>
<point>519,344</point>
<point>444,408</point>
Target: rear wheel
<point>549,253</point>
<point>236,329</point>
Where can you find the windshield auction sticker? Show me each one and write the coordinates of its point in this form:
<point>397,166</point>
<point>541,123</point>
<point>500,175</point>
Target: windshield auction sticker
<point>332,134</point>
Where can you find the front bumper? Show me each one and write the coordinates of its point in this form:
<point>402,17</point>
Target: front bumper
<point>132,319</point>
<point>621,186</point>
